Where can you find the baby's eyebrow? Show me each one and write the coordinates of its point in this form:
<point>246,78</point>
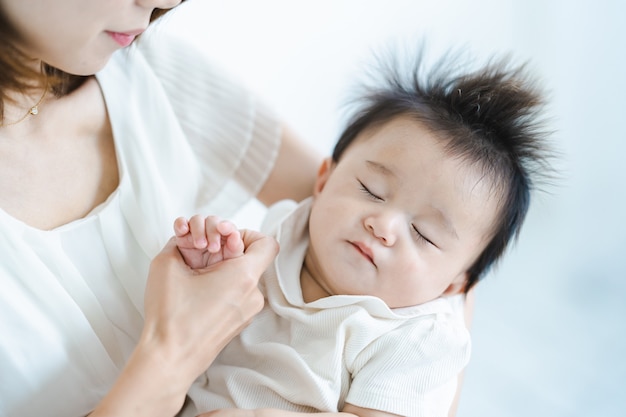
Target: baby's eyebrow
<point>382,169</point>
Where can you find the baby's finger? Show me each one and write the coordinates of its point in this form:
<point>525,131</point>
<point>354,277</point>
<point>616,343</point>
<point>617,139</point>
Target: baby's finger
<point>181,227</point>
<point>213,235</point>
<point>198,232</point>
<point>226,227</point>
<point>234,245</point>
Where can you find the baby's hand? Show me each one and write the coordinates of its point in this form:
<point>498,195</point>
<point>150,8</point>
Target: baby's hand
<point>206,241</point>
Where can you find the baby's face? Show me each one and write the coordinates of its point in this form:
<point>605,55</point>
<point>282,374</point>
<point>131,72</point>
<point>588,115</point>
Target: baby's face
<point>397,218</point>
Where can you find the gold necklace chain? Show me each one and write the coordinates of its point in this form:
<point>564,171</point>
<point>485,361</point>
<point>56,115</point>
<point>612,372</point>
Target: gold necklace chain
<point>32,111</point>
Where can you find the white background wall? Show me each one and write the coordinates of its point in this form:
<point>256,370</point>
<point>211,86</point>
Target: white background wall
<point>549,332</point>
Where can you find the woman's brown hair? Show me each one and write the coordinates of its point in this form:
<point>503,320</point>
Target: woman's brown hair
<point>17,76</point>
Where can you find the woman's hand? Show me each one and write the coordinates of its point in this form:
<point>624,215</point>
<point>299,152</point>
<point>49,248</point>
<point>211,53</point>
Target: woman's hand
<point>190,315</point>
<point>196,312</point>
<point>271,412</point>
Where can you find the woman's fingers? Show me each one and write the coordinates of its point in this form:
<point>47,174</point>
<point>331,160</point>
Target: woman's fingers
<point>264,246</point>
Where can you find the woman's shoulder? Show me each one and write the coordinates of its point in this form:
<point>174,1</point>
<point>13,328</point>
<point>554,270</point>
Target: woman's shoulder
<point>170,105</point>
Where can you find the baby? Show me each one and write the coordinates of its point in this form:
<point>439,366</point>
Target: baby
<point>425,188</point>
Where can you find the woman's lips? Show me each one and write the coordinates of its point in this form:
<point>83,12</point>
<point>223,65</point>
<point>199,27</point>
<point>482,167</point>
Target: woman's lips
<point>125,38</point>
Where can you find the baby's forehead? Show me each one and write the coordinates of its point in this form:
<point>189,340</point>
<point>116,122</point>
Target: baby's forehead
<point>416,133</point>
<point>409,143</point>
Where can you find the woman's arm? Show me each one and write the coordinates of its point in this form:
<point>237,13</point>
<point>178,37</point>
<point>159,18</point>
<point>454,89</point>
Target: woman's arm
<point>190,316</point>
<point>469,315</point>
<point>294,173</point>
<point>349,411</point>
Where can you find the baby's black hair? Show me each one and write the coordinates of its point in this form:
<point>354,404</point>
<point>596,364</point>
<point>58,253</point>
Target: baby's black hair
<point>490,116</point>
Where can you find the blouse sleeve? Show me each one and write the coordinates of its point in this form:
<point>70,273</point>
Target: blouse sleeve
<point>232,132</point>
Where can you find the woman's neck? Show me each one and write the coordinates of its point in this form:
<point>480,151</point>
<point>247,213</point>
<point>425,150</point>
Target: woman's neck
<point>21,106</point>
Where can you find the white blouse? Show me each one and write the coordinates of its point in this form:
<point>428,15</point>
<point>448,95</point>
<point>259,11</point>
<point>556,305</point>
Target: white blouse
<point>71,299</point>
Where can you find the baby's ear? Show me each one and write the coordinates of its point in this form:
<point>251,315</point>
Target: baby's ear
<point>457,286</point>
<point>322,175</point>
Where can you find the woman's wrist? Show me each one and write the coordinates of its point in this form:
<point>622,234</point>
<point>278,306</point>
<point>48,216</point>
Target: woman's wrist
<point>151,384</point>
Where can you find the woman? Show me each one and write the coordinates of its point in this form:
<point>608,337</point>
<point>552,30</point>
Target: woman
<point>101,148</point>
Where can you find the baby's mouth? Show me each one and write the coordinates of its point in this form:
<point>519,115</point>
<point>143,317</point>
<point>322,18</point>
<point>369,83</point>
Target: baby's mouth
<point>365,251</point>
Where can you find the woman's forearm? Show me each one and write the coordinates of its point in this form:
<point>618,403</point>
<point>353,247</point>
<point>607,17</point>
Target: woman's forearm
<point>294,172</point>
<point>349,411</point>
<point>146,387</point>
<point>269,412</point>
